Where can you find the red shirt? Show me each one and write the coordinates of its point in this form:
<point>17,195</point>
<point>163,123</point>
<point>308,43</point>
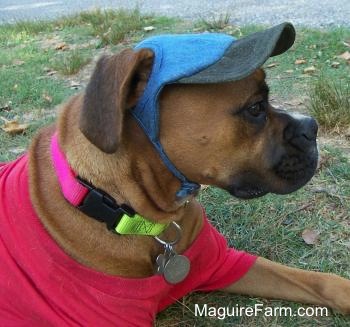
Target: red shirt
<point>40,285</point>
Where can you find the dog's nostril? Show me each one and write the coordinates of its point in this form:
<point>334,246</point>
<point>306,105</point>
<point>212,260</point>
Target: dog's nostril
<point>288,133</point>
<point>301,132</point>
<point>310,129</point>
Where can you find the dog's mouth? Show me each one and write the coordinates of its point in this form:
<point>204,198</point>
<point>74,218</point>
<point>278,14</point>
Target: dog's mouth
<point>297,168</point>
<point>247,186</point>
<point>294,171</point>
<point>287,176</point>
<point>247,192</point>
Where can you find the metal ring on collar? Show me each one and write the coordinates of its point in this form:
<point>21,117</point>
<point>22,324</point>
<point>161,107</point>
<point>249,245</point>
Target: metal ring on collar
<point>177,239</point>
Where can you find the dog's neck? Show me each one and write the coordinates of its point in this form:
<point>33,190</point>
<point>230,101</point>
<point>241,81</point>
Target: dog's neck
<point>136,176</point>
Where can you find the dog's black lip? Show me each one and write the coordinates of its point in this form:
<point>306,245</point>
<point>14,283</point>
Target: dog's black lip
<point>247,192</point>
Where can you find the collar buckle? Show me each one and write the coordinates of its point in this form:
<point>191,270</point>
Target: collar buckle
<point>102,207</point>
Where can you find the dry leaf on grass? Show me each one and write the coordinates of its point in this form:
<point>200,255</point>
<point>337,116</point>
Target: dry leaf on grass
<point>74,85</point>
<point>347,133</point>
<point>51,72</point>
<point>47,98</point>
<point>273,64</point>
<point>335,64</point>
<point>17,62</point>
<point>295,102</point>
<point>62,46</point>
<point>345,55</point>
<point>13,127</point>
<point>300,62</point>
<point>149,28</point>
<point>17,151</point>
<point>289,71</point>
<point>310,236</point>
<point>309,70</point>
<point>6,107</point>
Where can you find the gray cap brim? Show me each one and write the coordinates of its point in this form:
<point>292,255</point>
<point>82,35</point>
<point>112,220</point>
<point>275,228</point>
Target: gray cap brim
<point>246,55</point>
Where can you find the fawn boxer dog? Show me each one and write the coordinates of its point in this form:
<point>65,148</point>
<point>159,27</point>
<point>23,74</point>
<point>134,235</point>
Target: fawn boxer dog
<point>99,222</point>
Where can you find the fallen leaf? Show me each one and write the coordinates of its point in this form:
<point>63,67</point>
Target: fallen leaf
<point>74,85</point>
<point>273,64</point>
<point>6,107</point>
<point>17,62</point>
<point>333,237</point>
<point>149,28</point>
<point>289,71</point>
<point>309,70</point>
<point>17,151</point>
<point>51,72</point>
<point>347,133</point>
<point>13,127</point>
<point>287,221</point>
<point>300,62</point>
<point>345,55</point>
<point>47,97</point>
<point>310,236</point>
<point>294,103</point>
<point>62,46</point>
<point>335,64</point>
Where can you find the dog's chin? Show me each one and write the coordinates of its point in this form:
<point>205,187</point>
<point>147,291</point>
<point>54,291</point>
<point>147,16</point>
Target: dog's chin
<point>247,192</point>
<point>247,186</point>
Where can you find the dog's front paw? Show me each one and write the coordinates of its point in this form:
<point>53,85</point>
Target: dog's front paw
<point>337,293</point>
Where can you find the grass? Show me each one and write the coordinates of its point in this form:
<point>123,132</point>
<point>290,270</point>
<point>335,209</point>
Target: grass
<point>330,103</point>
<point>70,63</point>
<point>319,48</point>
<point>109,26</point>
<point>112,27</point>
<point>216,23</point>
<point>270,226</point>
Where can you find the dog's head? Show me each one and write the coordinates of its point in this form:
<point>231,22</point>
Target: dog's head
<point>214,132</point>
<point>229,135</point>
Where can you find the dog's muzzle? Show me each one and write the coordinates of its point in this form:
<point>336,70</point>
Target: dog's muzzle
<point>298,159</point>
<point>293,160</point>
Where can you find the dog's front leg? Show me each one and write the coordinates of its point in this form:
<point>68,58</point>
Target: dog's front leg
<point>272,280</point>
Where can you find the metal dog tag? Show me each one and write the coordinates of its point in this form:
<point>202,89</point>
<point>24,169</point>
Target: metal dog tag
<point>172,266</point>
<point>161,261</point>
<point>176,269</point>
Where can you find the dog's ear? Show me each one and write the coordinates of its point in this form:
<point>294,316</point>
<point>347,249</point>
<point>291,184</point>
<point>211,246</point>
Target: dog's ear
<point>115,86</point>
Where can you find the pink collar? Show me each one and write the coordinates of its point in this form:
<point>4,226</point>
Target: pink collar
<point>96,203</point>
<point>73,191</point>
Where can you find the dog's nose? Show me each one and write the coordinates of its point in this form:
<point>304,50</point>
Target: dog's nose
<point>301,131</point>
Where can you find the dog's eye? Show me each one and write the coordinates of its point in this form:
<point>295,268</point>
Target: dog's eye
<point>257,110</point>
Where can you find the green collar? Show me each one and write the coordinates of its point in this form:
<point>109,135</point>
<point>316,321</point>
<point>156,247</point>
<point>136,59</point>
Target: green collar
<point>139,225</point>
<point>119,218</point>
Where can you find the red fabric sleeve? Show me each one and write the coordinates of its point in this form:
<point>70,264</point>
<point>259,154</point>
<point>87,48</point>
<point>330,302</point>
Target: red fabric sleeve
<point>223,265</point>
